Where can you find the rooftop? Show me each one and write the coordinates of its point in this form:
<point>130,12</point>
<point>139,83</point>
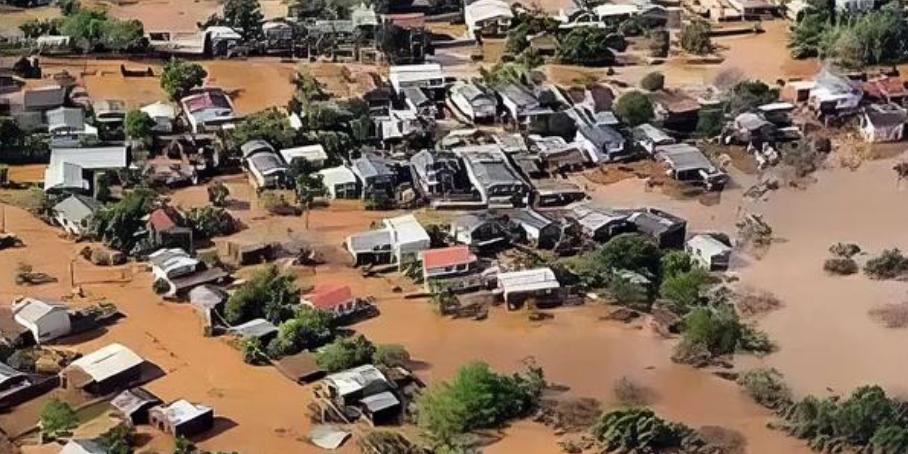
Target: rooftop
<point>358,379</point>
<point>183,411</point>
<point>449,256</point>
<point>528,280</point>
<point>107,362</point>
<point>329,296</point>
<point>33,310</point>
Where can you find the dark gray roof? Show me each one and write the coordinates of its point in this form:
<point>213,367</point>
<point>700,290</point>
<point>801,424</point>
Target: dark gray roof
<point>529,217</point>
<point>266,162</point>
<point>684,157</point>
<point>656,222</point>
<point>371,165</point>
<point>77,207</point>
<point>65,117</point>
<point>132,400</point>
<point>254,146</point>
<point>519,95</point>
<point>601,136</point>
<point>885,115</point>
<point>416,96</point>
<point>44,98</point>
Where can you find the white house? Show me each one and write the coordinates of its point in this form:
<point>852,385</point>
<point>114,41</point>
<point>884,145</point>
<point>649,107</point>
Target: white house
<point>487,18</point>
<point>75,212</point>
<point>340,182</point>
<point>473,102</point>
<point>443,263</point>
<point>427,75</point>
<point>109,368</point>
<point>163,115</point>
<point>408,238</point>
<point>172,263</point>
<point>709,252</point>
<point>45,319</point>
<point>68,165</point>
<point>518,286</point>
<point>314,154</point>
<point>883,123</point>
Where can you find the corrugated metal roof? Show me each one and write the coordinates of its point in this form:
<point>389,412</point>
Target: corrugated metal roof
<point>108,361</point>
<point>33,310</point>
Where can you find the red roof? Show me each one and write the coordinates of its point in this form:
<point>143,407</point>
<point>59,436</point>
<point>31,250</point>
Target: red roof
<point>160,220</point>
<point>887,86</point>
<point>449,256</point>
<point>329,296</point>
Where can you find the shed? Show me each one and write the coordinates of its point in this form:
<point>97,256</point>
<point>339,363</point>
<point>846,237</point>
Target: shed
<point>163,115</point>
<point>313,154</point>
<point>75,212</point>
<point>340,182</point>
<point>350,386</point>
<point>666,229</point>
<point>601,224</point>
<point>107,369</point>
<point>206,299</point>
<point>538,229</point>
<point>648,137</point>
<point>688,163</point>
<point>380,409</point>
<point>539,284</point>
<point>487,17</point>
<point>711,253</point>
<point>134,404</point>
<point>182,418</point>
<point>254,329</point>
<point>45,319</point>
<point>480,230</point>
<point>428,75</point>
<point>371,247</point>
<point>883,123</point>
<point>301,367</point>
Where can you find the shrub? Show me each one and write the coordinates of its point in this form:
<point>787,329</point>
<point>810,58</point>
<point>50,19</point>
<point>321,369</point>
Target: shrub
<point>218,193</point>
<point>269,293</point>
<point>253,351</point>
<point>391,355</point>
<point>685,290</point>
<point>638,430</point>
<point>841,266</point>
<point>695,37</point>
<point>845,250</point>
<point>766,387</point>
<point>634,108</point>
<point>709,332</point>
<point>310,328</point>
<point>632,252</point>
<point>57,418</point>
<point>160,286</point>
<point>211,221</point>
<point>345,353</point>
<point>888,265</point>
<point>653,81</point>
<point>180,76</point>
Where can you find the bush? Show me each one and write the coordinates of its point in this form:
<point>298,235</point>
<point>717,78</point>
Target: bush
<point>888,265</point>
<point>310,328</point>
<point>638,430</point>
<point>709,332</point>
<point>766,387</point>
<point>138,126</point>
<point>629,393</point>
<point>695,37</point>
<point>211,221</point>
<point>747,95</point>
<point>845,250</point>
<point>841,266</point>
<point>160,286</point>
<point>589,46</point>
<point>57,418</point>
<point>345,353</point>
<point>674,263</point>
<point>631,251</point>
<point>653,81</point>
<point>634,108</point>
<point>476,398</point>
<point>218,193</point>
<point>180,76</point>
<point>710,122</point>
<point>269,293</point>
<point>253,351</point>
<point>685,290</point>
<point>391,355</point>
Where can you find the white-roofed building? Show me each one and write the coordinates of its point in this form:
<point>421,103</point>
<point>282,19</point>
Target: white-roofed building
<point>709,252</point>
<point>539,285</point>
<point>182,418</point>
<point>163,115</point>
<point>45,319</point>
<point>349,386</point>
<point>340,182</point>
<point>75,212</point>
<point>314,154</point>
<point>102,371</point>
<point>487,18</point>
<point>68,166</point>
<point>408,238</point>
<point>427,75</point>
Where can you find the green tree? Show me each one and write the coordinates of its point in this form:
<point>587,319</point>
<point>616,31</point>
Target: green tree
<point>116,224</point>
<point>766,387</point>
<point>653,81</point>
<point>391,355</point>
<point>210,221</point>
<point>888,265</point>
<point>270,125</point>
<point>588,46</point>
<point>639,430</point>
<point>345,353</point>
<point>85,28</point>
<point>890,440</point>
<point>710,121</point>
<point>634,108</point>
<point>695,37</point>
<point>476,398</point>
<point>253,351</point>
<point>310,328</point>
<point>138,126</point>
<point>674,263</point>
<point>308,187</point>
<point>684,290</point>
<point>633,252</point>
<point>57,418</point>
<point>659,43</point>
<point>122,35</point>
<point>118,440</point>
<point>68,7</point>
<point>180,76</point>
<point>268,293</point>
<point>748,95</point>
<point>245,16</point>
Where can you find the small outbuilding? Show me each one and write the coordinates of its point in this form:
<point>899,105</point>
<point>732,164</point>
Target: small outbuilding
<point>314,155</point>
<point>340,182</point>
<point>75,212</point>
<point>182,418</point>
<point>108,369</point>
<point>134,404</point>
<point>45,319</point>
<point>709,251</point>
<point>259,328</point>
<point>539,285</point>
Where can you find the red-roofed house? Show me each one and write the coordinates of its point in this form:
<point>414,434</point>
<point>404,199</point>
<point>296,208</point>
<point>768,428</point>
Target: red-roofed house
<point>337,299</point>
<point>164,232</point>
<point>886,89</point>
<point>446,263</point>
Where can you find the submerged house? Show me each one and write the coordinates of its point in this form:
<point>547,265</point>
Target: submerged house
<point>487,17</point>
<point>67,127</point>
<point>601,224</point>
<point>46,320</point>
<point>883,123</point>
<point>428,76</point>
<point>111,368</point>
<point>439,175</point>
<point>74,168</point>
<point>182,418</point>
<point>709,251</point>
<point>676,110</point>
<point>266,168</point>
<point>666,229</point>
<point>207,109</point>
<point>492,176</point>
<point>522,105</point>
<point>366,388</point>
<point>601,143</point>
<point>163,114</point>
<point>687,163</point>
<point>834,95</point>
<point>473,102</point>
<point>398,241</point>
<point>314,155</point>
<point>335,299</point>
<point>134,404</point>
<point>480,230</point>
<point>451,266</point>
<point>538,285</point>
<point>534,227</point>
<point>374,174</point>
<point>75,212</point>
<point>648,137</point>
<point>165,232</point>
<point>181,272</point>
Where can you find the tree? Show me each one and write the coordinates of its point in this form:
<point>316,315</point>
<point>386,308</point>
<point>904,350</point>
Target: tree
<point>180,76</point>
<point>253,351</point>
<point>634,108</point>
<point>34,28</point>
<point>653,81</point>
<point>633,252</point>
<point>218,193</point>
<point>57,418</point>
<point>122,35</point>
<point>245,16</point>
<point>268,293</point>
<point>684,289</point>
<point>269,125</point>
<point>307,90</point>
<point>138,126</point>
<point>674,263</point>
<point>639,430</point>
<point>710,121</point>
<point>68,7</point>
<point>85,28</point>
<point>118,440</point>
<point>210,221</point>
<point>308,186</point>
<point>116,225</point>
<point>345,353</point>
<point>391,355</point>
<point>747,95</point>
<point>310,328</point>
<point>476,398</point>
<point>588,46</point>
<point>766,387</point>
<point>708,332</point>
<point>695,37</point>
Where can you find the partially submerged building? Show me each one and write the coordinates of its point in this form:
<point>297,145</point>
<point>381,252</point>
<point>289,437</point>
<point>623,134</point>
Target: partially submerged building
<point>534,228</point>
<point>207,109</point>
<point>687,163</point>
<point>366,388</point>
<point>335,299</point>
<point>266,168</point>
<point>374,174</point>
<point>313,155</point>
<point>449,267</point>
<point>480,230</point>
<point>492,175</point>
<point>883,123</point>
<point>487,17</point>
<point>340,182</point>
<point>665,229</point>
<point>398,241</point>
<point>539,286</point>
<point>75,213</point>
<point>182,272</point>
<point>601,224</point>
<point>182,418</point>
<point>108,369</point>
<point>46,320</point>
<point>709,251</point>
<point>473,102</point>
<point>74,168</point>
<point>648,137</point>
<point>134,404</point>
<point>522,105</point>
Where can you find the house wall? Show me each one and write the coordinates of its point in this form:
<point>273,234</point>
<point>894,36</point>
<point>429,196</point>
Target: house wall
<point>49,327</point>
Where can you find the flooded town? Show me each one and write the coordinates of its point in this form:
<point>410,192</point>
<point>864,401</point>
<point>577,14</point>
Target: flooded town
<point>396,227</point>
